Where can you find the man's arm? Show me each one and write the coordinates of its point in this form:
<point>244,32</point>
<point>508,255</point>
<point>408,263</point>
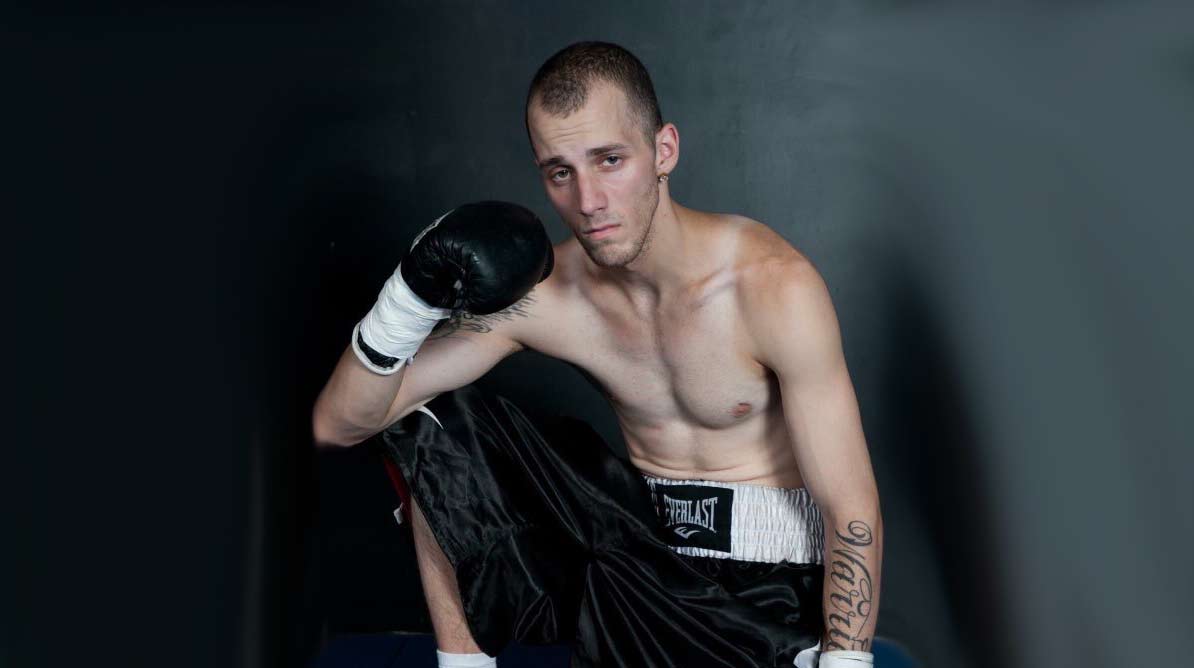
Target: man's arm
<point>357,403</point>
<point>796,332</point>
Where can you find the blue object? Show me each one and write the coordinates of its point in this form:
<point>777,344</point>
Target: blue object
<point>891,654</point>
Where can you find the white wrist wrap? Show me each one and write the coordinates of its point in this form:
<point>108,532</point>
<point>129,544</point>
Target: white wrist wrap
<point>478,660</point>
<point>846,659</point>
<point>397,324</point>
<point>813,657</point>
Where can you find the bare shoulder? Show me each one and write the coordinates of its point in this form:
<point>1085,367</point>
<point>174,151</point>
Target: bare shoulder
<point>784,302</point>
<point>768,264</point>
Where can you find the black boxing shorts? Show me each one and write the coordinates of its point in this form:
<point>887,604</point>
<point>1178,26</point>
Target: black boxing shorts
<point>555,540</point>
<point>763,544</point>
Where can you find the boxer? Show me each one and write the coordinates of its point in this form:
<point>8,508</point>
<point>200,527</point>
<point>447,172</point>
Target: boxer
<point>717,345</point>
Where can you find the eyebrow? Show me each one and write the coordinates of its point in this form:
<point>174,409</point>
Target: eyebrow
<point>559,159</point>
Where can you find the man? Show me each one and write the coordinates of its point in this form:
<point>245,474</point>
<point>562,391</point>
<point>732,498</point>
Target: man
<point>714,340</point>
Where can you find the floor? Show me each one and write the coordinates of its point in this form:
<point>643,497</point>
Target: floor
<point>401,650</point>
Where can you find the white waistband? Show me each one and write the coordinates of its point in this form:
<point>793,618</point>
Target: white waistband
<point>768,524</point>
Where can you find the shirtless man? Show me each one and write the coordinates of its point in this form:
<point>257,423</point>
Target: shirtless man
<point>714,340</point>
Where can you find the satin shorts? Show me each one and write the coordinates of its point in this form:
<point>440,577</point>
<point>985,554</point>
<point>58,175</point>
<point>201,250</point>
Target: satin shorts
<point>556,540</point>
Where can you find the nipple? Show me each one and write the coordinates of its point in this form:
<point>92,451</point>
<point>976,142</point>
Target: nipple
<point>741,409</point>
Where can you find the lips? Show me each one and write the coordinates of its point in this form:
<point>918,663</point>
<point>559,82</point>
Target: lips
<point>599,230</point>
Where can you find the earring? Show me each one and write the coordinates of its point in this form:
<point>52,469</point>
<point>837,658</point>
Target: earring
<point>663,177</point>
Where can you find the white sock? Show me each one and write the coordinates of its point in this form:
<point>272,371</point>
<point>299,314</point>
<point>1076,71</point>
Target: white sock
<point>478,660</point>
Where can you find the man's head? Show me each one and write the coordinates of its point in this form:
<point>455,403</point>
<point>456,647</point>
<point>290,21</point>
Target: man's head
<point>600,145</point>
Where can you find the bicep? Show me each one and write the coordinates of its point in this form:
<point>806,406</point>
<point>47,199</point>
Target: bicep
<point>446,362</point>
<point>827,437</point>
<point>799,339</point>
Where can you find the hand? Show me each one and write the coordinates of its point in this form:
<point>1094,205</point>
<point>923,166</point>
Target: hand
<point>846,659</point>
<point>479,257</point>
<point>813,657</point>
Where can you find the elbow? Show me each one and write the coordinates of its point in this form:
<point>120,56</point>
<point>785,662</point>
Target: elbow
<point>324,437</point>
<point>862,508</point>
<point>327,435</point>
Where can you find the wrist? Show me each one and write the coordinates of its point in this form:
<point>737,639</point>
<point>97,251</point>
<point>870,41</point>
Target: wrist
<point>373,360</point>
<point>395,327</point>
<point>846,659</point>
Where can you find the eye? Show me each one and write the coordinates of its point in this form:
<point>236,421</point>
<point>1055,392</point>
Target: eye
<point>615,158</point>
<point>559,175</point>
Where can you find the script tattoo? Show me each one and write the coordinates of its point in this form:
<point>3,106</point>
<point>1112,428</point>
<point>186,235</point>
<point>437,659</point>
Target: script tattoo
<point>480,324</point>
<point>851,595</point>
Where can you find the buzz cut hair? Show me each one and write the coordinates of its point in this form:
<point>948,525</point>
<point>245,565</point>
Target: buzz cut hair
<point>562,84</point>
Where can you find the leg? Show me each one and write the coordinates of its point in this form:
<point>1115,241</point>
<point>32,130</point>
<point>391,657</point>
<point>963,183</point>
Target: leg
<point>440,589</point>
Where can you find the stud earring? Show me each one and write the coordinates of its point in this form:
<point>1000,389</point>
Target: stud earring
<point>662,178</point>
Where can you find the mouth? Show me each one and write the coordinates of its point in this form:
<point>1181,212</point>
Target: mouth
<point>599,232</point>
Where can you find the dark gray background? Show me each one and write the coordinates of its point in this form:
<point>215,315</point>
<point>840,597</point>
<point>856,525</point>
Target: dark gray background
<point>1000,204</point>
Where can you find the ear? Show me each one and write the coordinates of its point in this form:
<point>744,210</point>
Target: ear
<point>667,149</point>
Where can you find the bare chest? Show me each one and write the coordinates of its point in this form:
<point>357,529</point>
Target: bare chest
<point>683,363</point>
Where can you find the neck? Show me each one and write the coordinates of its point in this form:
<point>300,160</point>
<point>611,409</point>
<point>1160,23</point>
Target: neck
<point>671,258</point>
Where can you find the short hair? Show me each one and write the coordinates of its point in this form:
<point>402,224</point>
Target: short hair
<point>562,84</point>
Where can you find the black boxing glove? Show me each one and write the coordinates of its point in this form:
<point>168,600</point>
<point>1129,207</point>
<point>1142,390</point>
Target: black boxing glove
<point>479,257</point>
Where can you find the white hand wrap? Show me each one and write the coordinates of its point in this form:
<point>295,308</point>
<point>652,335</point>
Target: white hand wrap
<point>396,325</point>
<point>479,660</point>
<point>813,657</point>
<point>846,659</point>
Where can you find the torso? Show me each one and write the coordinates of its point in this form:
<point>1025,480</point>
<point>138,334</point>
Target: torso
<point>678,369</point>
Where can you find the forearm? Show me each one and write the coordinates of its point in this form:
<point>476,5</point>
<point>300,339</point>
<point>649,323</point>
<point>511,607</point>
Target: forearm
<point>853,566</point>
<point>354,403</point>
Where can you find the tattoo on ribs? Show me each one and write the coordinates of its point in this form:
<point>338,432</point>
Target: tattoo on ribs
<point>481,324</point>
<point>851,593</point>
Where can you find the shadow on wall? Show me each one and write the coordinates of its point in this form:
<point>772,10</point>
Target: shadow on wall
<point>930,426</point>
<point>329,205</point>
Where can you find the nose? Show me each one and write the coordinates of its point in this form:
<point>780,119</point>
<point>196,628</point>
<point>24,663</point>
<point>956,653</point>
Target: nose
<point>589,195</point>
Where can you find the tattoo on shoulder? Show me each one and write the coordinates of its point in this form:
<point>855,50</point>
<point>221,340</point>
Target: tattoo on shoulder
<point>481,324</point>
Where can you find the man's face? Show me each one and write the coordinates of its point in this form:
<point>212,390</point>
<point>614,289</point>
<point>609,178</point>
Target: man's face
<point>599,172</point>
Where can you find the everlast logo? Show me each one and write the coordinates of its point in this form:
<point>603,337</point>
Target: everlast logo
<point>682,511</point>
<point>695,515</point>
